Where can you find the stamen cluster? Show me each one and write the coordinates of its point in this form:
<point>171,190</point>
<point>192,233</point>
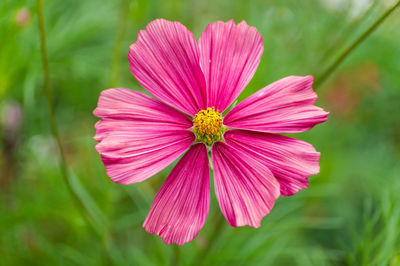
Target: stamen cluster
<point>208,126</point>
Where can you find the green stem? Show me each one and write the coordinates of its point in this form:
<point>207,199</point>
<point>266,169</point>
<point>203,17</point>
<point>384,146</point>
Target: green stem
<point>116,53</point>
<point>335,45</point>
<point>48,93</point>
<point>219,221</point>
<point>176,255</point>
<point>218,229</point>
<point>358,41</point>
<point>50,104</point>
<point>103,236</point>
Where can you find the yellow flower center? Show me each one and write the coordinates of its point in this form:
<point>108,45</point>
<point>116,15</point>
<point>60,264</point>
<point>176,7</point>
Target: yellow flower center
<point>208,126</point>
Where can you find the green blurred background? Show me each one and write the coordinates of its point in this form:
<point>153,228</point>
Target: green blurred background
<point>350,214</point>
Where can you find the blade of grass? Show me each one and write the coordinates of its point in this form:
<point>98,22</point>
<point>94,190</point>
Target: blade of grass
<point>98,219</point>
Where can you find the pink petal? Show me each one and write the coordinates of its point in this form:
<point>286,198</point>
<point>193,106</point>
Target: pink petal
<point>246,190</point>
<point>181,206</point>
<point>285,106</point>
<point>290,160</point>
<point>229,56</point>
<point>138,135</point>
<point>165,61</point>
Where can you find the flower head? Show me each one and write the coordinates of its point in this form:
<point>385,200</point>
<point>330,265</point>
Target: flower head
<point>193,83</point>
<point>22,17</point>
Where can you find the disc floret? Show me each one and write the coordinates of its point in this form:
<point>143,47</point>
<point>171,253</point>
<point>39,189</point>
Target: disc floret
<point>208,126</point>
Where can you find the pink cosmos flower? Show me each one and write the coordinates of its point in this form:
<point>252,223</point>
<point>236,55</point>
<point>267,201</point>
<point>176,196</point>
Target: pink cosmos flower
<point>193,83</point>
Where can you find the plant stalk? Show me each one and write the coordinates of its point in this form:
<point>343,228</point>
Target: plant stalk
<point>218,229</point>
<point>322,78</point>
<point>116,52</point>
<point>50,104</point>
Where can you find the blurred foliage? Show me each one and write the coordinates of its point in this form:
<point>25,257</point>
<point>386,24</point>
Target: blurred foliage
<point>350,214</point>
